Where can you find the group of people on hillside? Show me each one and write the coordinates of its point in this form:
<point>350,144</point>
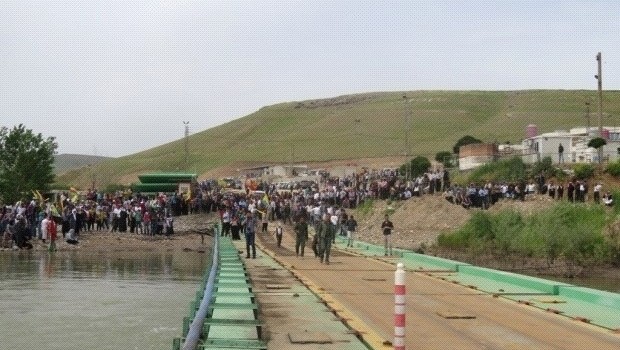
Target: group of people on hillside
<point>483,196</point>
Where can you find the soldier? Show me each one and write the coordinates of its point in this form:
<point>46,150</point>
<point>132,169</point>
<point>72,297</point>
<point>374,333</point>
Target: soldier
<point>326,234</point>
<point>301,236</point>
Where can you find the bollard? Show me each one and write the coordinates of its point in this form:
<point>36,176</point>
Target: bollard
<point>176,344</point>
<point>185,328</point>
<point>399,307</point>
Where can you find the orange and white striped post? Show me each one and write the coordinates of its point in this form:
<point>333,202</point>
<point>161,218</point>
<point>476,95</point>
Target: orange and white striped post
<point>399,307</point>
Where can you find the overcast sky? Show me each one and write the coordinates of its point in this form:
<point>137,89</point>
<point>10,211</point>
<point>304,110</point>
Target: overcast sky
<point>116,77</point>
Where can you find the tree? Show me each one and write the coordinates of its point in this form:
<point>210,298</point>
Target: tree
<point>546,167</point>
<point>598,143</point>
<point>26,162</point>
<point>444,158</point>
<point>419,165</point>
<point>465,140</point>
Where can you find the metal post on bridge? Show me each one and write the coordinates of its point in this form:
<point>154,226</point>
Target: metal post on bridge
<point>399,307</point>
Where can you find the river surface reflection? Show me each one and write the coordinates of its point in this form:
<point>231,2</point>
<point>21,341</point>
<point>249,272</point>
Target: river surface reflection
<point>78,300</point>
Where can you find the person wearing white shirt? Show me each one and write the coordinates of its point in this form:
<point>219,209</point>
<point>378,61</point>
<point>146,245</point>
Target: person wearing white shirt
<point>607,199</point>
<point>597,193</point>
<point>44,224</point>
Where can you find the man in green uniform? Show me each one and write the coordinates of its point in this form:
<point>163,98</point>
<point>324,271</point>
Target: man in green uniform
<point>326,235</point>
<point>301,236</point>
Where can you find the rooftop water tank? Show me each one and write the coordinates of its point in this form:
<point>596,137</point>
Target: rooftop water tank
<point>605,134</point>
<point>531,131</point>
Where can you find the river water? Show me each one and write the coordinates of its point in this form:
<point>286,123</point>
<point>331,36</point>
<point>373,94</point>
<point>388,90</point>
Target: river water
<point>76,300</point>
<point>609,284</point>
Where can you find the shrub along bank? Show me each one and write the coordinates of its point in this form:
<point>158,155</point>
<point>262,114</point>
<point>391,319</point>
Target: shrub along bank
<point>575,235</point>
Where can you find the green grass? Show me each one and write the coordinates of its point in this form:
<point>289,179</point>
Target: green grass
<point>321,130</point>
<point>564,230</point>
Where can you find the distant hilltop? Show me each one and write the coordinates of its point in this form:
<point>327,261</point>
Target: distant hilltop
<point>64,162</point>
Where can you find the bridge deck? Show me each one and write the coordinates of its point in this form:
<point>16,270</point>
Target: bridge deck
<point>440,313</point>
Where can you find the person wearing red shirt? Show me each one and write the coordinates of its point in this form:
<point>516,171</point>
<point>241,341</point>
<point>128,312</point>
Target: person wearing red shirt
<point>52,232</point>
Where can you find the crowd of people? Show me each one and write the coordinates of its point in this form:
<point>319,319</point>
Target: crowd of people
<point>46,220</point>
<point>483,196</point>
<point>322,206</point>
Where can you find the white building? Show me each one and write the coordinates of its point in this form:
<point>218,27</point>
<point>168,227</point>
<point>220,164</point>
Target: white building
<point>575,144</point>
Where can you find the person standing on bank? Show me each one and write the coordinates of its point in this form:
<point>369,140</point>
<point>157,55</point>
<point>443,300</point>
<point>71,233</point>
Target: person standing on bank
<point>250,235</point>
<point>52,233</point>
<point>387,226</point>
<point>301,236</point>
<point>168,223</point>
<point>560,154</point>
<point>351,226</point>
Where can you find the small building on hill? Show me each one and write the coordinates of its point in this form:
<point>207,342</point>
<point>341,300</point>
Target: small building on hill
<point>544,145</point>
<point>476,154</point>
<point>276,170</point>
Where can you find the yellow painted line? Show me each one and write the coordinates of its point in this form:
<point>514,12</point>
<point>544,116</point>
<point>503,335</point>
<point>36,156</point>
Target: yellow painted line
<point>368,335</point>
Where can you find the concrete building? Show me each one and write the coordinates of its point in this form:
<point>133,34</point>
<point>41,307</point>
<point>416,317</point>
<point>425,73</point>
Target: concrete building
<point>286,170</point>
<point>274,170</point>
<point>575,144</point>
<point>474,155</point>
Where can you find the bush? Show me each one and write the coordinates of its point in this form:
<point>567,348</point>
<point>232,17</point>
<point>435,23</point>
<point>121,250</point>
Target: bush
<point>613,168</point>
<point>474,233</point>
<point>444,158</point>
<point>365,207</point>
<point>573,233</point>
<point>584,171</point>
<point>512,169</point>
<point>546,167</point>
<point>506,226</point>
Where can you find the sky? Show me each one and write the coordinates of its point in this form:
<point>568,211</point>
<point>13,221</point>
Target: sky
<point>112,78</point>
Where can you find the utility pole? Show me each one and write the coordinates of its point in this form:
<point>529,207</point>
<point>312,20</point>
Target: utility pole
<point>407,121</point>
<point>186,145</point>
<point>599,77</point>
<point>588,119</point>
<point>292,157</point>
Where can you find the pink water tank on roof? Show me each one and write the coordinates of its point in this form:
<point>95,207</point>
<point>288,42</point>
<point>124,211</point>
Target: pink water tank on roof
<point>531,131</point>
<point>605,134</point>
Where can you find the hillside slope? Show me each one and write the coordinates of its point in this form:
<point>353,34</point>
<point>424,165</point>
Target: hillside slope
<point>358,126</point>
<point>419,220</point>
<point>64,162</point>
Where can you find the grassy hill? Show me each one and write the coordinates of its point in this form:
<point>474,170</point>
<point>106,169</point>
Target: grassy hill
<point>360,126</point>
<point>65,162</point>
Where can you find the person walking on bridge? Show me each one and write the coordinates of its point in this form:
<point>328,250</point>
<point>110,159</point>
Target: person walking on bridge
<point>387,226</point>
<point>326,234</point>
<point>250,235</point>
<point>279,233</point>
<point>351,227</point>
<point>301,236</point>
